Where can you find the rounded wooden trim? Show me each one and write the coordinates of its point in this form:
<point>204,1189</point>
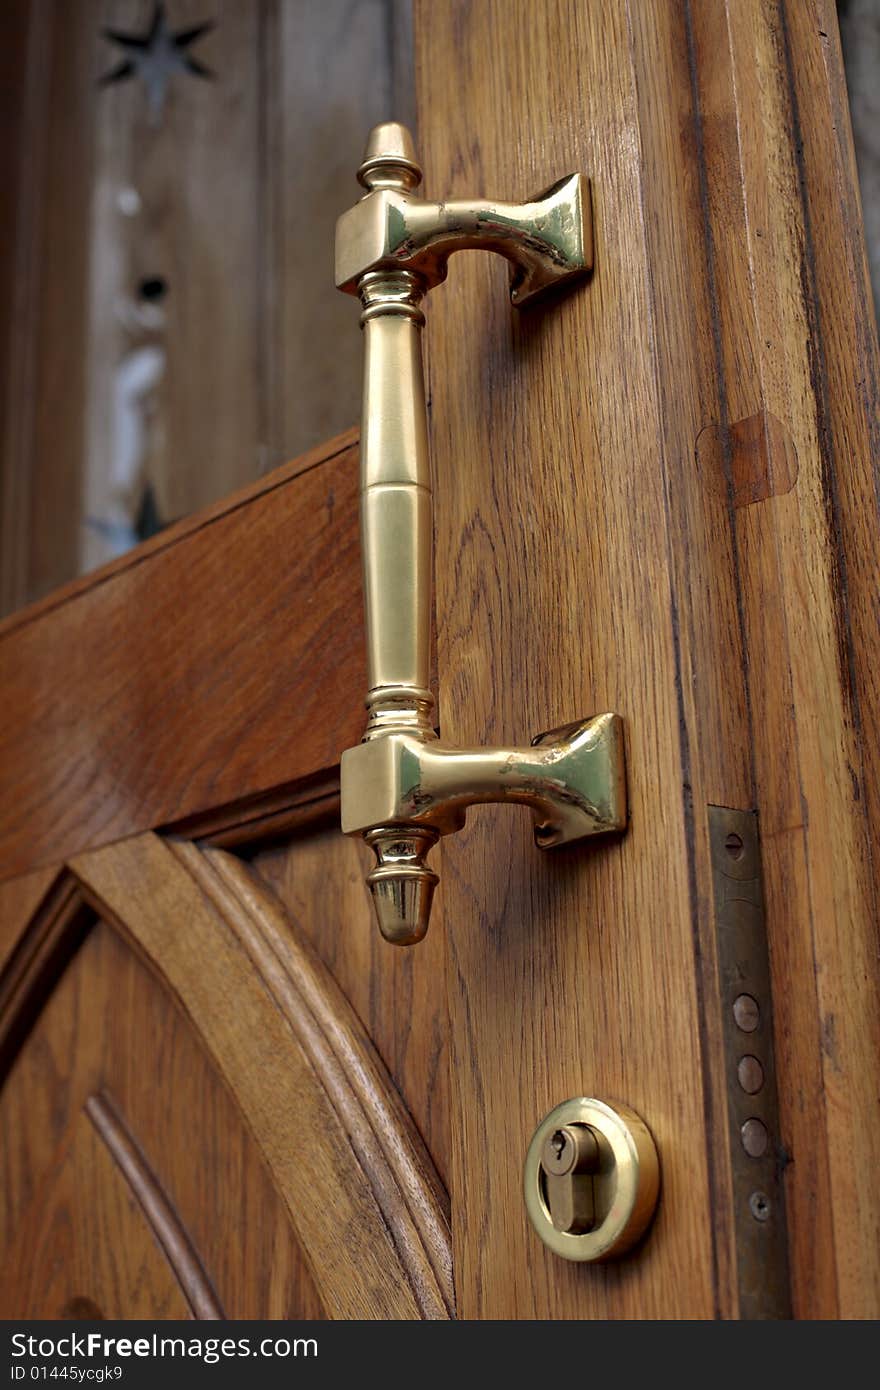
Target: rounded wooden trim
<point>363,1095</point>
<point>158,1211</point>
<point>363,1196</point>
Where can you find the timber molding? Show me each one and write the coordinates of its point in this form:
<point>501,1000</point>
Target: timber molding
<point>195,677</point>
<point>362,1194</point>
<point>685,451</point>
<point>158,1211</point>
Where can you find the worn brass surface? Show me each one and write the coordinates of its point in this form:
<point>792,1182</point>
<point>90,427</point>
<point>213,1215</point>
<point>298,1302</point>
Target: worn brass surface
<point>592,1178</point>
<point>547,241</point>
<point>402,788</point>
<point>573,780</point>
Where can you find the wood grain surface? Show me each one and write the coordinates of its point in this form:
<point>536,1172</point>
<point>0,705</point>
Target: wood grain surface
<point>24,126</point>
<point>223,660</point>
<point>399,996</point>
<point>589,558</point>
<point>84,1248</point>
<point>179,1208</point>
<point>19,900</point>
<point>113,1032</point>
<point>655,495</point>
<point>156,1206</point>
<point>46,390</point>
<point>359,1187</point>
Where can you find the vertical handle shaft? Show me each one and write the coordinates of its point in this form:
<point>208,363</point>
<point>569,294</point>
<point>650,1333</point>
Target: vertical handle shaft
<point>396,506</point>
<point>397,540</point>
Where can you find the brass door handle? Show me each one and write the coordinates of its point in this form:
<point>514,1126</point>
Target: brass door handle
<point>402,787</point>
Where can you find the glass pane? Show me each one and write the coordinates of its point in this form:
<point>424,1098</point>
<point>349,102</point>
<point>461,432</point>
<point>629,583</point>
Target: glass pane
<point>179,172</point>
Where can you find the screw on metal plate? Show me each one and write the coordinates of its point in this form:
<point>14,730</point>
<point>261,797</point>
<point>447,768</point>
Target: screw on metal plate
<point>746,1014</point>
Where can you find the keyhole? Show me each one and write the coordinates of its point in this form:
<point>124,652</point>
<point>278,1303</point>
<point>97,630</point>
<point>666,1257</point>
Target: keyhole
<point>558,1142</point>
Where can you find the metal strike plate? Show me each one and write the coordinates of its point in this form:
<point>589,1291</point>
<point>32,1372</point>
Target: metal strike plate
<point>757,1158</point>
<point>592,1178</point>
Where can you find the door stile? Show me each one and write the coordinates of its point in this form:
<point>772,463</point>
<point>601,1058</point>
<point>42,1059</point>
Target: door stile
<point>657,498</point>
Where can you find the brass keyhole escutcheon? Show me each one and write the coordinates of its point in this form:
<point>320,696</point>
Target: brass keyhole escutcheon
<point>592,1178</point>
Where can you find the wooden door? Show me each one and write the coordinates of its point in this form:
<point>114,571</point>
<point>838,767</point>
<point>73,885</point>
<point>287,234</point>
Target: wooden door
<point>215,1101</point>
<point>222,1093</point>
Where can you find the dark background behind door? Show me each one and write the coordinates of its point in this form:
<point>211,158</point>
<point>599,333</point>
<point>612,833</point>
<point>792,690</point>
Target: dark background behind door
<point>170,327</point>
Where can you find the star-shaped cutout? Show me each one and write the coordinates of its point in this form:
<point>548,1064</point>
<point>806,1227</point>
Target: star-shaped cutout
<point>155,56</point>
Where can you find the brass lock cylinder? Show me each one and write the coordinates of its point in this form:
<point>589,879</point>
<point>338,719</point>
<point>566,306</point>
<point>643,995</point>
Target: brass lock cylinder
<point>592,1178</point>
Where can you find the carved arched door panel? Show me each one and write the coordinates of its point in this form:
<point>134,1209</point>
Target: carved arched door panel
<point>194,1119</point>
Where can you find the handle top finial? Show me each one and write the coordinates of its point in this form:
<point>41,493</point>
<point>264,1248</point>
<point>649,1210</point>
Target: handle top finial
<point>390,159</point>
